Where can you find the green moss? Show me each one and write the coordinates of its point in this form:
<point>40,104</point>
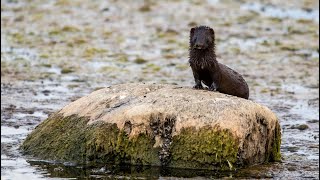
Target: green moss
<point>64,29</point>
<point>166,50</point>
<point>305,21</point>
<point>108,69</point>
<point>205,148</point>
<point>152,67</point>
<point>140,61</point>
<point>45,56</point>
<point>137,150</point>
<point>19,18</point>
<point>76,42</point>
<point>169,34</point>
<point>275,19</point>
<point>66,70</point>
<point>275,154</point>
<point>46,65</point>
<point>171,40</point>
<point>245,19</point>
<point>62,3</point>
<point>235,50</point>
<point>44,75</point>
<point>145,8</point>
<point>169,56</point>
<point>71,86</point>
<point>182,67</point>
<point>277,43</point>
<point>57,138</point>
<point>4,64</point>
<point>107,34</point>
<point>192,24</point>
<point>264,90</point>
<point>71,139</point>
<point>276,83</point>
<point>69,29</point>
<point>288,47</point>
<point>37,16</point>
<point>123,59</point>
<point>265,43</point>
<point>89,52</point>
<point>18,37</point>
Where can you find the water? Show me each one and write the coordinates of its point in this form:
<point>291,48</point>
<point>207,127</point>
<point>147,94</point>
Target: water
<point>279,12</point>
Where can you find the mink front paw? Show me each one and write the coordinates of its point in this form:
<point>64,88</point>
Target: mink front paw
<point>212,88</point>
<point>198,86</point>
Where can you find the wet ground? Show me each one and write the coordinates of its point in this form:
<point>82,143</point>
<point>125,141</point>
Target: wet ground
<point>53,52</point>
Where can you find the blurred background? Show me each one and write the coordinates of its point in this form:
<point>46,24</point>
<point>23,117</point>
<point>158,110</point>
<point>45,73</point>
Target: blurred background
<point>55,51</point>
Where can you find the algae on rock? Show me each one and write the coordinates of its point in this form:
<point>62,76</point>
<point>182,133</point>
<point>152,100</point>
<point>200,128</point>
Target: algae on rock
<point>167,125</point>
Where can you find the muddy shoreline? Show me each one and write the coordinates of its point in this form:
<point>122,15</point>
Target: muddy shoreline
<point>47,63</point>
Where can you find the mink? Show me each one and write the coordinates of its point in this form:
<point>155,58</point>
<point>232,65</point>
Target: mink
<point>207,70</point>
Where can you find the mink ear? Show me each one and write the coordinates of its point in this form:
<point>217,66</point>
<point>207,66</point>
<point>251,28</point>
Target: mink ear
<point>212,31</point>
<point>192,31</point>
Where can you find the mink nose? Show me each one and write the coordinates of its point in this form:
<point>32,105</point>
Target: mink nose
<point>199,46</point>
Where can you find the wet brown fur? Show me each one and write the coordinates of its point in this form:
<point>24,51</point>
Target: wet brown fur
<point>208,70</point>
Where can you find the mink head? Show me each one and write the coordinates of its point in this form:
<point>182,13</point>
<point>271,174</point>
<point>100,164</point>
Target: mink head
<point>201,38</point>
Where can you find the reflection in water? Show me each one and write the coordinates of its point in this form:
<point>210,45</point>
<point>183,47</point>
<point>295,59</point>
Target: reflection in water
<point>121,171</point>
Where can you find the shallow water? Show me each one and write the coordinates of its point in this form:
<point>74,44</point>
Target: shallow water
<point>280,12</point>
<point>52,63</point>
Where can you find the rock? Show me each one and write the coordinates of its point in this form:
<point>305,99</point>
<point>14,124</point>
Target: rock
<point>166,125</point>
<point>301,127</point>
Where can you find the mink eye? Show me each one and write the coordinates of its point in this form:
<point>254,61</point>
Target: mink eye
<point>208,40</point>
<point>194,39</point>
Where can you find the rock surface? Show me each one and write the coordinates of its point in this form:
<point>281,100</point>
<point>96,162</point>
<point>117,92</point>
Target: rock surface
<point>154,124</point>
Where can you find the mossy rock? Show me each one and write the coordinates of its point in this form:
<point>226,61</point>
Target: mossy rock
<point>162,125</point>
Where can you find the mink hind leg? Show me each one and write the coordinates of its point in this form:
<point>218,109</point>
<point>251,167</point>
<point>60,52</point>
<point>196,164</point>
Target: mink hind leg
<point>213,87</point>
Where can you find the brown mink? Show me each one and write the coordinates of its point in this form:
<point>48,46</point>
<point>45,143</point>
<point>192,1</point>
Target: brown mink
<point>208,70</point>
